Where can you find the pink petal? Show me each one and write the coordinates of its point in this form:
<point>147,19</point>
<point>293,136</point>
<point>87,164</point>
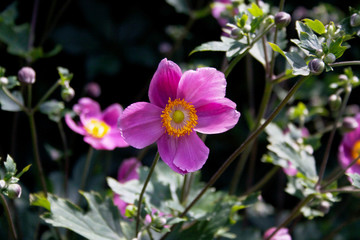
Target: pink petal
<point>114,137</point>
<point>201,86</point>
<point>111,114</point>
<point>183,154</point>
<point>217,117</point>
<point>141,124</point>
<point>128,170</point>
<point>164,83</point>
<point>120,204</point>
<point>73,126</point>
<point>99,143</point>
<point>88,107</point>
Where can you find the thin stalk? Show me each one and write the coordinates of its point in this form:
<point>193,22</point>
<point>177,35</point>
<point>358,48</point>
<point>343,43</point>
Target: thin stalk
<point>33,25</point>
<point>245,144</point>
<point>344,64</point>
<point>36,152</point>
<point>294,214</point>
<point>246,50</point>
<point>241,163</point>
<point>263,181</point>
<point>8,217</point>
<point>86,168</point>
<point>66,157</point>
<point>331,138</point>
<point>29,87</point>
<point>46,95</point>
<point>183,189</point>
<point>156,159</point>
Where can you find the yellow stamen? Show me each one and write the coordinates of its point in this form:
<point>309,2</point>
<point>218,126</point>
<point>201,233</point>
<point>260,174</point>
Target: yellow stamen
<point>179,118</point>
<point>356,150</point>
<point>96,128</point>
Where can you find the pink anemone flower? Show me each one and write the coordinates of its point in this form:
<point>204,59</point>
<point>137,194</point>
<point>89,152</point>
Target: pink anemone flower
<point>349,149</point>
<point>127,171</point>
<point>180,105</point>
<point>282,234</point>
<point>99,128</point>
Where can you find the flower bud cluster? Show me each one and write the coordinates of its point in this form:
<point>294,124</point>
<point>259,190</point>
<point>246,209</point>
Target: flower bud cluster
<point>12,190</point>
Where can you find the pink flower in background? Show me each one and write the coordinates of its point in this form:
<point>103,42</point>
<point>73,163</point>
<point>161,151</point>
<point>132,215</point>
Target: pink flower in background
<point>99,128</point>
<point>282,234</point>
<point>180,105</point>
<point>127,171</point>
<point>223,11</point>
<point>349,149</point>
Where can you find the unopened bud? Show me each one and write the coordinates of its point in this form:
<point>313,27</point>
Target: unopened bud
<point>159,222</point>
<point>14,191</point>
<point>282,19</point>
<point>343,77</point>
<point>4,81</point>
<point>236,33</point>
<point>319,53</point>
<point>93,89</point>
<point>316,66</point>
<point>329,58</point>
<point>26,75</point>
<point>324,207</point>
<point>2,184</point>
<point>355,20</point>
<point>334,102</point>
<point>67,94</point>
<point>349,124</point>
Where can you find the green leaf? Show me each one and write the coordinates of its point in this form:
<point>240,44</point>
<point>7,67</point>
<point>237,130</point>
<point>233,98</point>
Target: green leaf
<point>53,109</point>
<point>7,104</point>
<point>308,40</point>
<point>215,46</point>
<point>276,48</point>
<point>25,169</point>
<point>10,166</point>
<point>100,222</point>
<point>64,74</point>
<point>336,48</point>
<point>355,177</point>
<point>180,6</point>
<point>39,200</point>
<point>315,25</point>
<point>255,10</point>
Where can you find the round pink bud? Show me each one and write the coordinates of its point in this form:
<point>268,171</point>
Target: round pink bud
<point>14,191</point>
<point>26,75</point>
<point>282,19</point>
<point>93,89</point>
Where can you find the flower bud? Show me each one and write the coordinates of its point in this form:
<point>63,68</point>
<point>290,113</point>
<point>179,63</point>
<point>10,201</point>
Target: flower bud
<point>26,75</point>
<point>324,207</point>
<point>319,53</point>
<point>93,89</point>
<point>355,20</point>
<point>334,102</point>
<point>236,33</point>
<point>2,184</point>
<point>4,81</point>
<point>14,191</point>
<point>67,94</point>
<point>343,77</point>
<point>316,66</point>
<point>329,58</point>
<point>159,222</point>
<point>282,19</point>
<point>349,124</point>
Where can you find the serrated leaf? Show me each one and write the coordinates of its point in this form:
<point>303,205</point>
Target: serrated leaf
<point>255,10</point>
<point>7,104</point>
<point>100,222</point>
<point>215,46</point>
<point>336,48</point>
<point>315,25</point>
<point>10,166</point>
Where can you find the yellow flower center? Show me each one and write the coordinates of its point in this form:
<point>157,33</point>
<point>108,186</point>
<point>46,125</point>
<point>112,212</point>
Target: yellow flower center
<point>356,150</point>
<point>179,118</point>
<point>96,128</point>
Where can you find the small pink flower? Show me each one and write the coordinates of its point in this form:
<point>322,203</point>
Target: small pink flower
<point>180,105</point>
<point>99,128</point>
<point>127,171</point>
<point>282,234</point>
<point>349,149</point>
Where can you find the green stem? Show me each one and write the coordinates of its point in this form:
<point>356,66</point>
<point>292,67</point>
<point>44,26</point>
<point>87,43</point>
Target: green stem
<point>331,138</point>
<point>344,64</point>
<point>46,95</point>
<point>8,216</point>
<point>36,153</point>
<point>156,159</point>
<point>86,168</point>
<point>241,163</point>
<point>245,144</point>
<point>66,157</point>
<point>184,187</point>
<point>246,50</point>
<point>293,215</point>
<point>263,181</point>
